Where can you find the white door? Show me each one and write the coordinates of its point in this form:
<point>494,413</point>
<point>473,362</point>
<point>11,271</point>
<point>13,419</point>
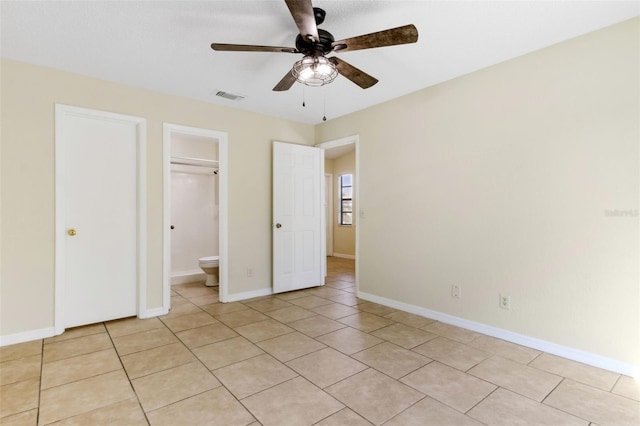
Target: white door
<point>97,204</point>
<point>298,228</point>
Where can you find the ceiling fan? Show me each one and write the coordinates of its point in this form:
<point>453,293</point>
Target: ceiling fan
<point>315,69</point>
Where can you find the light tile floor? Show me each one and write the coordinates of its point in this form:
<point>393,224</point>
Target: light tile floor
<point>312,357</point>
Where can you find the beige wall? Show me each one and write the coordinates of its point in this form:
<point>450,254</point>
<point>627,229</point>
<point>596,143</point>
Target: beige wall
<point>328,165</point>
<point>344,237</point>
<point>28,95</point>
<point>499,181</point>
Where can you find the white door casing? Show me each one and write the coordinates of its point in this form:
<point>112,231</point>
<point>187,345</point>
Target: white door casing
<point>353,139</point>
<point>328,208</point>
<point>100,194</point>
<point>298,216</point>
<point>223,185</point>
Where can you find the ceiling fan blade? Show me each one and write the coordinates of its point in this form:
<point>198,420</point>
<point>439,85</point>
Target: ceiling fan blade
<point>354,74</point>
<point>390,37</point>
<point>251,48</point>
<point>302,12</point>
<point>286,82</point>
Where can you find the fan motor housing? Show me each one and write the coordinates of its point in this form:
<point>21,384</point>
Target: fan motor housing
<point>307,47</point>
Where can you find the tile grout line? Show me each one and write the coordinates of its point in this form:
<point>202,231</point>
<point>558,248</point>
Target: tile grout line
<point>442,402</point>
<point>40,382</point>
<point>578,380</point>
<point>401,412</point>
<point>44,344</point>
<point>534,358</point>
<point>479,402</point>
<point>79,380</point>
<point>197,360</point>
<point>560,409</point>
<point>413,371</point>
<point>127,374</point>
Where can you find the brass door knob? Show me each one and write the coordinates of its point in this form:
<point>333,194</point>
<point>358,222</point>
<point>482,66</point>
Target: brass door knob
<point>278,225</point>
<point>72,232</point>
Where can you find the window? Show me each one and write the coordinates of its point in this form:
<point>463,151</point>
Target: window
<point>345,216</point>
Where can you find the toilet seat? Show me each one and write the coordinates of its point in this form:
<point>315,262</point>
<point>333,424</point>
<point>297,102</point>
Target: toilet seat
<point>209,260</point>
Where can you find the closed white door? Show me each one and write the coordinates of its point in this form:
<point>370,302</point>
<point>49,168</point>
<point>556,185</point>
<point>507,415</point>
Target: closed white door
<point>97,201</point>
<point>298,226</point>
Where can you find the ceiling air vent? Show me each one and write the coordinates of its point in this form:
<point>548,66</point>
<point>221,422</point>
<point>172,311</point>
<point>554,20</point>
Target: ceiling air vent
<point>230,96</point>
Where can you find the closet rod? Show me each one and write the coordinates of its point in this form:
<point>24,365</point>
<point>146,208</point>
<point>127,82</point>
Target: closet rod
<point>197,162</point>
<point>184,163</point>
<point>190,161</point>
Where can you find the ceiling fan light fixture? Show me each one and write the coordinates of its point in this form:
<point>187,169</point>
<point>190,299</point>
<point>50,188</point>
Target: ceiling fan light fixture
<point>314,71</point>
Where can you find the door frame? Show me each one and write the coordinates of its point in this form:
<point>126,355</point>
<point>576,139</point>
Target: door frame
<point>328,223</point>
<point>168,129</point>
<point>353,139</point>
<point>62,110</point>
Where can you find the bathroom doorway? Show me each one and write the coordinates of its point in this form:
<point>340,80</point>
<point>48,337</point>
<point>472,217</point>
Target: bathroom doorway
<point>195,205</point>
<point>342,158</point>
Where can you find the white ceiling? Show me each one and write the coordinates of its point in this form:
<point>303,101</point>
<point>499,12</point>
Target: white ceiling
<point>165,46</point>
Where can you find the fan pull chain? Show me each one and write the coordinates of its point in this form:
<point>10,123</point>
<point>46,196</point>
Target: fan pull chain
<point>324,110</point>
<point>303,103</point>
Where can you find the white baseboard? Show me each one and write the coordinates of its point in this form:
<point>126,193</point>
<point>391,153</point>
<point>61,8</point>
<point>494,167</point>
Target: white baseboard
<point>510,336</point>
<point>155,312</point>
<point>236,297</point>
<point>184,277</point>
<point>27,336</point>
<point>344,256</point>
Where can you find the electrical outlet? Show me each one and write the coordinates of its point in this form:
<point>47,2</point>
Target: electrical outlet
<point>505,302</point>
<point>249,272</point>
<point>456,291</point>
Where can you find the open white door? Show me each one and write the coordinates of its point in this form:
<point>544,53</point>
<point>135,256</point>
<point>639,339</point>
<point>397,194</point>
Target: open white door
<point>298,219</point>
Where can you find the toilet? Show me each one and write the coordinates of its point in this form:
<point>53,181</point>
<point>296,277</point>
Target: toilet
<point>209,265</point>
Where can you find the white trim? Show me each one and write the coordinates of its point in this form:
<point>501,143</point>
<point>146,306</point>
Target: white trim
<point>142,215</point>
<point>60,214</point>
<point>344,256</point>
<point>323,222</point>
<point>223,218</point>
<point>249,294</point>
<point>339,142</point>
<point>329,206</point>
<point>155,312</point>
<point>60,206</point>
<point>166,217</point>
<point>510,336</point>
<point>353,139</point>
<point>27,336</point>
